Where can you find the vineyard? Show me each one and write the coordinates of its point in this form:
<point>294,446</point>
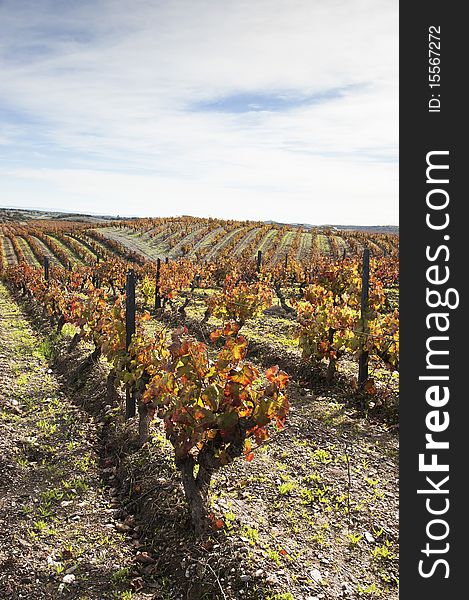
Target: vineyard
<point>188,237</point>
<point>249,368</point>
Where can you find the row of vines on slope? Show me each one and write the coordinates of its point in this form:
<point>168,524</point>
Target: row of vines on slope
<point>212,407</point>
<point>326,302</point>
<point>202,239</point>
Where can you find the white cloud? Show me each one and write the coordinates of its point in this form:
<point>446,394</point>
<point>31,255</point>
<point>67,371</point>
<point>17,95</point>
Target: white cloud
<point>101,99</point>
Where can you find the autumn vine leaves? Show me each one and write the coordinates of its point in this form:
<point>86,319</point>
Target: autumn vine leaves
<point>211,406</point>
<point>330,322</point>
<point>215,405</point>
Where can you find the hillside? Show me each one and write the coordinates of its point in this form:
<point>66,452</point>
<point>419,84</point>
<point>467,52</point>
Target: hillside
<point>23,214</point>
<point>69,239</point>
<point>12,215</point>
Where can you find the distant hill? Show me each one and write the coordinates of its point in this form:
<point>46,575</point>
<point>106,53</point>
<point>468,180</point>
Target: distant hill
<point>366,228</point>
<point>23,215</point>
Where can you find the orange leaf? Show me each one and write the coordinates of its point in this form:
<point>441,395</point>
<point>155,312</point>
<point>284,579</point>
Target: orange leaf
<point>271,373</point>
<point>215,335</point>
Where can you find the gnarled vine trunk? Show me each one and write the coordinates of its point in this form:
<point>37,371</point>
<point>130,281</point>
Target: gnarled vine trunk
<point>283,302</point>
<point>74,342</point>
<point>85,365</point>
<point>196,487</point>
<point>196,492</point>
<point>146,411</point>
<point>60,323</point>
<point>111,392</point>
<point>145,415</point>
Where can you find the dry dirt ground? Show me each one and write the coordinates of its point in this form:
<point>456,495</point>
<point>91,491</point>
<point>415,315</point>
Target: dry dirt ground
<point>59,536</point>
<point>82,515</point>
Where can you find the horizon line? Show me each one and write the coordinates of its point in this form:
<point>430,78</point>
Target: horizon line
<point>133,217</point>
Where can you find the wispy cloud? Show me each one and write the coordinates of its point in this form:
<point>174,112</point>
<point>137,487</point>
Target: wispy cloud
<point>268,102</point>
<point>275,109</point>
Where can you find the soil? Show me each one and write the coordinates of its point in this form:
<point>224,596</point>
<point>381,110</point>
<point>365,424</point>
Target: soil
<point>86,514</point>
<point>58,526</point>
<point>8,251</point>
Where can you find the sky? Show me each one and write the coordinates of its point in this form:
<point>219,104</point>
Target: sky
<point>282,110</point>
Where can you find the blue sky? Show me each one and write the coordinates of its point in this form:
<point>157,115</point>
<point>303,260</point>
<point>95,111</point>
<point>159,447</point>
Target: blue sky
<point>260,109</point>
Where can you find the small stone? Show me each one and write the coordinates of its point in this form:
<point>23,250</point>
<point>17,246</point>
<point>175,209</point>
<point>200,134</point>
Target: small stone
<point>245,578</point>
<point>369,538</point>
<point>70,578</point>
<point>259,573</point>
<point>71,569</point>
<point>316,575</point>
<point>51,561</point>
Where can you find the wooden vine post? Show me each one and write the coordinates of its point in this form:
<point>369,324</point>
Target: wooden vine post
<point>157,285</point>
<point>46,268</point>
<point>363,360</point>
<point>129,331</point>
<point>259,260</point>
